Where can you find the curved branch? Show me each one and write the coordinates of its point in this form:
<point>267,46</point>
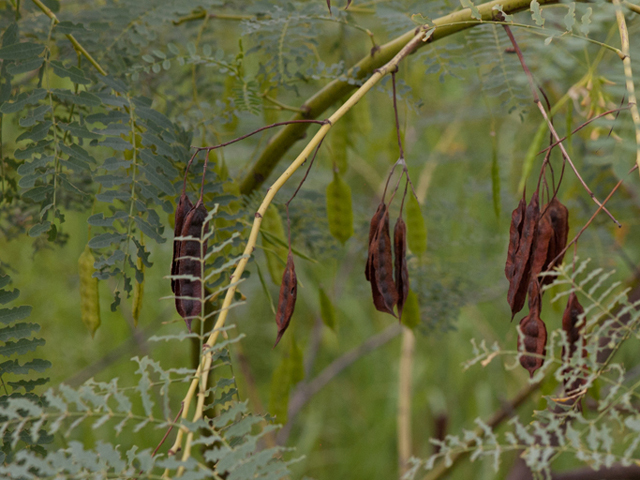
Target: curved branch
<point>280,143</point>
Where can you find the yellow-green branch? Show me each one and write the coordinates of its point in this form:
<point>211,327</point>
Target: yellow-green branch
<point>628,73</point>
<point>79,48</point>
<point>420,36</point>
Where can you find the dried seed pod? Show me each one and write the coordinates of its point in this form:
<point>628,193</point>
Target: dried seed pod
<point>540,249</point>
<point>401,272</point>
<point>534,341</point>
<point>385,295</point>
<point>558,216</point>
<point>182,209</point>
<point>373,229</point>
<point>287,299</point>
<point>515,231</point>
<point>570,319</point>
<point>189,263</point>
<point>521,277</point>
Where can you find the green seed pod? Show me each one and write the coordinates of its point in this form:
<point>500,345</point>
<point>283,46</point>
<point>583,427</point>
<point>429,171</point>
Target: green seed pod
<point>327,312</point>
<point>416,228</point>
<point>411,311</point>
<point>339,209</point>
<point>276,254</point>
<point>138,294</point>
<point>89,295</point>
<point>339,142</point>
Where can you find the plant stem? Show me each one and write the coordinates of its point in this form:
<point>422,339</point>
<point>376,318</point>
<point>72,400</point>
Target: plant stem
<point>628,73</point>
<point>404,398</point>
<point>422,35</point>
<point>335,90</point>
<point>79,48</point>
<point>536,100</point>
<point>496,419</point>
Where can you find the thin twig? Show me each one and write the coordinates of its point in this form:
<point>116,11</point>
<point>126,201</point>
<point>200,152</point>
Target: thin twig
<point>395,110</point>
<point>305,391</point>
<point>279,124</point>
<point>536,100</point>
<point>628,73</point>
<point>496,419</point>
<point>79,48</point>
<point>586,225</point>
<point>577,129</point>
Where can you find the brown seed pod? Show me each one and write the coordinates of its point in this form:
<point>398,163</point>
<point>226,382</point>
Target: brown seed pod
<point>540,249</point>
<point>385,295</point>
<point>520,280</point>
<point>401,272</point>
<point>373,228</point>
<point>534,341</point>
<point>189,263</point>
<point>287,299</point>
<point>184,205</point>
<point>558,216</point>
<point>515,231</point>
<point>570,326</point>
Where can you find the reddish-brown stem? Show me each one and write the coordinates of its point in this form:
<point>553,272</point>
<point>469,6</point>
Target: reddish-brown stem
<point>404,195</point>
<point>395,110</point>
<point>536,100</point>
<point>300,186</point>
<point>609,112</point>
<point>601,207</point>
<point>186,172</point>
<point>266,127</point>
<point>204,172</point>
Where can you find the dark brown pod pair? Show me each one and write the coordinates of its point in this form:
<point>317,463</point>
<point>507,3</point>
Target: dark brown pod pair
<point>287,298</point>
<point>523,232</point>
<point>187,259</point>
<point>388,290</point>
<point>534,334</point>
<point>575,339</point>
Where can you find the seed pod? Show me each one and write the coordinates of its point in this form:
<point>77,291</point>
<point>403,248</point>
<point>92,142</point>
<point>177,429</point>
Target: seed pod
<point>339,210</point>
<point>411,312</point>
<point>558,216</point>
<point>89,295</point>
<point>522,264</point>
<point>416,228</point>
<point>570,326</point>
<point>184,205</point>
<point>287,298</point>
<point>540,249</point>
<point>401,271</point>
<point>385,295</point>
<point>534,341</point>
<point>191,251</point>
<point>373,228</point>
<point>327,311</point>
<point>515,231</point>
<point>138,294</point>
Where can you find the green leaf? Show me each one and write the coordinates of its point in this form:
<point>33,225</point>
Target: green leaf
<point>416,227</point>
<point>7,296</point>
<point>327,312</point>
<point>82,98</point>
<point>158,180</point>
<point>38,194</point>
<point>14,367</point>
<point>585,21</point>
<point>530,158</point>
<point>148,230</point>
<point>22,100</point>
<point>339,209</point>
<point>28,385</point>
<point>105,239</point>
<point>72,73</point>
<point>411,311</point>
<point>21,347</point>
<point>536,13</point>
<point>39,228</point>
<point>26,66</point>
<point>570,17</point>
<point>17,331</point>
<point>116,143</point>
<point>5,280</point>
<point>8,315</point>
<point>475,13</point>
<point>37,133</point>
<point>21,51</point>
<point>77,130</point>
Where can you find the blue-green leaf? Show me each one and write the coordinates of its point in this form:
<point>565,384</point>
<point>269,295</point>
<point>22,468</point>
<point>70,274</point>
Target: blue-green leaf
<point>7,296</point>
<point>21,51</point>
<point>105,239</point>
<point>8,315</point>
<point>21,347</point>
